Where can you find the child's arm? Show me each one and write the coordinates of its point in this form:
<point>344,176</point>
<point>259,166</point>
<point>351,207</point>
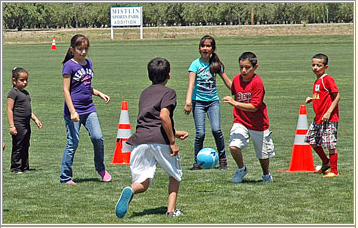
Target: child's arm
<point>226,80</point>
<point>241,105</point>
<point>189,93</point>
<point>10,116</point>
<point>105,97</point>
<point>167,126</point>
<point>66,93</point>
<point>335,101</point>
<point>37,121</point>
<point>181,134</point>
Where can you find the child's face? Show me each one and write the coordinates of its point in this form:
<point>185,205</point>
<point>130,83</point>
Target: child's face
<point>80,52</point>
<point>246,69</point>
<point>318,67</point>
<point>206,50</point>
<point>21,81</point>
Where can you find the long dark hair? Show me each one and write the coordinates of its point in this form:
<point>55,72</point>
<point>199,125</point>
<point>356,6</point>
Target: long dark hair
<point>76,40</point>
<point>216,66</point>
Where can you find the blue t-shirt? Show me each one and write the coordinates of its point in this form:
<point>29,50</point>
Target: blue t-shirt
<point>80,87</point>
<point>205,82</point>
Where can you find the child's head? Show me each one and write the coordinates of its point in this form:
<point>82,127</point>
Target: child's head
<point>319,64</point>
<point>77,41</point>
<point>248,64</point>
<point>158,70</point>
<point>207,47</point>
<point>19,77</point>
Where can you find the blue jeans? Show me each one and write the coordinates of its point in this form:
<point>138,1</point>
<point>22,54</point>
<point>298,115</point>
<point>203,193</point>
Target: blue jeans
<point>91,123</point>
<point>212,108</point>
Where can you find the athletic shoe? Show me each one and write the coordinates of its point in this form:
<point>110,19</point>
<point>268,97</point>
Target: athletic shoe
<point>324,168</point>
<point>267,178</point>
<point>106,177</point>
<point>175,213</point>
<point>196,166</point>
<point>330,174</point>
<point>71,182</point>
<point>239,175</point>
<point>222,164</point>
<point>123,202</point>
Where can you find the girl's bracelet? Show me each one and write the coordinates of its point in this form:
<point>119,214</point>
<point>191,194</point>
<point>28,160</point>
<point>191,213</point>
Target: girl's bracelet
<point>11,126</point>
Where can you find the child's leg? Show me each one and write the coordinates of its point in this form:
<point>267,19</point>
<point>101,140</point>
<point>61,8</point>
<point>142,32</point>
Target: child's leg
<point>265,164</point>
<point>72,129</point>
<point>140,187</point>
<point>17,149</point>
<point>93,127</point>
<point>237,155</point>
<point>199,114</point>
<point>173,193</point>
<point>215,122</point>
<point>333,160</point>
<point>320,152</point>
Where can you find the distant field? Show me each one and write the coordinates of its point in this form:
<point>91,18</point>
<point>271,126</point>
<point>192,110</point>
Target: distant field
<point>104,34</point>
<point>205,196</point>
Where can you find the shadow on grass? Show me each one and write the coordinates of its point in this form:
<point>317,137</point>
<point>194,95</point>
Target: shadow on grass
<point>79,180</point>
<point>158,210</point>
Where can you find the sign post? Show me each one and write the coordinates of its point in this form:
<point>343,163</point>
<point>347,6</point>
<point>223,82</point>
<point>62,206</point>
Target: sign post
<point>126,16</point>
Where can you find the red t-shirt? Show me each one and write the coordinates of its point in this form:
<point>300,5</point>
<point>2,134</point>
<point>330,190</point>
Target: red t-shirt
<point>322,98</point>
<point>252,92</point>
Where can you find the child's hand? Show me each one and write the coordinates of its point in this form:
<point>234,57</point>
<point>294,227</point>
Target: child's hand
<point>13,130</point>
<point>105,97</point>
<point>181,134</point>
<point>308,100</point>
<point>228,99</point>
<point>38,123</point>
<point>174,149</point>
<point>75,117</point>
<point>187,109</point>
<point>326,116</point>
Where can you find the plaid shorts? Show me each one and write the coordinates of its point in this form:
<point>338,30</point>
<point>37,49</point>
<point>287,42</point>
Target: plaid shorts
<point>324,134</point>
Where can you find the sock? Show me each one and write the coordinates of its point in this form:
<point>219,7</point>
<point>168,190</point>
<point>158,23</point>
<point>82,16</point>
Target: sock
<point>320,152</point>
<point>333,159</point>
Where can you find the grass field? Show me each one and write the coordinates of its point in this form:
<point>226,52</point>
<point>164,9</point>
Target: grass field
<point>206,196</point>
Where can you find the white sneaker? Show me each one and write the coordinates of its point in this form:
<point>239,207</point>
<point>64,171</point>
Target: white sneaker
<point>239,175</point>
<point>175,213</point>
<point>267,178</point>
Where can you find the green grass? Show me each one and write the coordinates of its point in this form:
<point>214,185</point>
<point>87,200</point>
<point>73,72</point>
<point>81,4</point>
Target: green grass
<point>205,196</point>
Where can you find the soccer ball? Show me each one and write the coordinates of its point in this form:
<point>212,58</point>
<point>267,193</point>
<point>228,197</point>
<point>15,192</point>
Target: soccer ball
<point>207,158</point>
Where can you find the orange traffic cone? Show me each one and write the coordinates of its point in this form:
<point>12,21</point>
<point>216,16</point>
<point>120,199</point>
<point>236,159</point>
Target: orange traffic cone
<point>53,46</point>
<point>122,152</point>
<point>301,158</point>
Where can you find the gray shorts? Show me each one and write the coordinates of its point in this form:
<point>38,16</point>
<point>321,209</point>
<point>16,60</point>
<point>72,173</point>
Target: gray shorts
<point>240,136</point>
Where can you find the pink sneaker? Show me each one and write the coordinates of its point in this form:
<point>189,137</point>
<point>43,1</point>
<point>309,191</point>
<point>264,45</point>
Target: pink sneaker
<point>70,182</point>
<point>106,177</point>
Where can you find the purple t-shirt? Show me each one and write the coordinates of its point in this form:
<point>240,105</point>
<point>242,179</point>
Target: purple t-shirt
<point>80,88</point>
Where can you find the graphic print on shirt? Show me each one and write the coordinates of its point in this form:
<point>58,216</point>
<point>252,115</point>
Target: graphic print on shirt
<point>316,93</point>
<point>84,74</point>
<point>243,97</point>
<point>206,82</point>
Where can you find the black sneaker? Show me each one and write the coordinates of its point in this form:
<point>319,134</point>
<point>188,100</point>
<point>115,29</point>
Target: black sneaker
<point>222,164</point>
<point>196,166</point>
<point>324,168</point>
<point>175,213</point>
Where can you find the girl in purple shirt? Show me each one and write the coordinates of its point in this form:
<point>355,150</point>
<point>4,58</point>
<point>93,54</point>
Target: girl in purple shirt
<point>79,108</point>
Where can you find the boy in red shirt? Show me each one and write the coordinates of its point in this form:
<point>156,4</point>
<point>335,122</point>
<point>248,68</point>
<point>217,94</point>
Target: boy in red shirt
<point>250,118</point>
<point>323,130</point>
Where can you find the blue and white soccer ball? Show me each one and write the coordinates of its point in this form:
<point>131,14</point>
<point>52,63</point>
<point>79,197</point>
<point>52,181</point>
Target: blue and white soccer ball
<point>207,158</point>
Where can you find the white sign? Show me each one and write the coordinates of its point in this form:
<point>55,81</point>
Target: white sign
<point>126,16</point>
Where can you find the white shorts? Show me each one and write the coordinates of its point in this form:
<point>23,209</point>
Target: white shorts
<point>240,135</point>
<point>144,159</point>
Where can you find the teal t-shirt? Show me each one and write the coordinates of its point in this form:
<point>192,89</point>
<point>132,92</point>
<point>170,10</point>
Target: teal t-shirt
<point>205,82</point>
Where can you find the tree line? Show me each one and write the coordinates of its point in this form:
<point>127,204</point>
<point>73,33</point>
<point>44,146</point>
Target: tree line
<point>97,15</point>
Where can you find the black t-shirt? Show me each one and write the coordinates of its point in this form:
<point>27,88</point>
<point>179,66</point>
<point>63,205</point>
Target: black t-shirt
<point>22,105</point>
<point>149,126</point>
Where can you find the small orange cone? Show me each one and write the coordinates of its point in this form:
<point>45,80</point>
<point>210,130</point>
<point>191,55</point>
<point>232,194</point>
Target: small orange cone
<point>53,46</point>
<point>122,152</point>
<point>301,158</point>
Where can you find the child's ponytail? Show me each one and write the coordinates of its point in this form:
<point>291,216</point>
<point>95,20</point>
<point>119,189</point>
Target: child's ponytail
<point>68,56</point>
<point>216,66</point>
